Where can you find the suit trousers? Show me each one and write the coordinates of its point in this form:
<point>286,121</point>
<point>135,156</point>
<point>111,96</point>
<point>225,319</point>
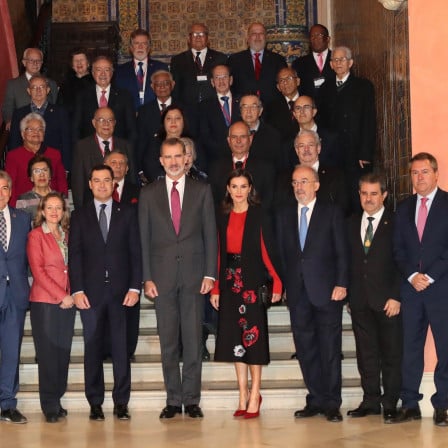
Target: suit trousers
<point>418,313</point>
<point>107,315</point>
<point>379,345</point>
<point>179,318</point>
<point>12,321</point>
<point>52,329</point>
<point>317,333</point>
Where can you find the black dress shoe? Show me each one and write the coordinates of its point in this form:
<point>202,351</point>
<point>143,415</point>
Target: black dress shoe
<point>170,411</point>
<point>122,412</point>
<point>194,411</point>
<point>62,412</point>
<point>333,415</point>
<point>51,417</point>
<point>440,417</point>
<point>406,415</point>
<point>306,412</point>
<point>389,414</point>
<point>363,411</point>
<point>13,416</point>
<point>96,413</point>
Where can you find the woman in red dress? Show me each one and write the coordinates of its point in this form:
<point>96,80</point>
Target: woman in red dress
<point>245,260</point>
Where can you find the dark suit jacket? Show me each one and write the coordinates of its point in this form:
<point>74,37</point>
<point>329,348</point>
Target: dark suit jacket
<point>57,131</point>
<point>324,262</point>
<point>13,262</point>
<point>125,78</point>
<point>278,114</point>
<point>350,112</point>
<point>130,193</point>
<point>90,257</point>
<point>374,277</point>
<point>86,155</point>
<point>263,176</point>
<point>243,71</point>
<point>193,253</point>
<point>120,101</point>
<point>213,129</point>
<point>308,71</point>
<point>267,146</point>
<point>430,256</point>
<point>17,96</point>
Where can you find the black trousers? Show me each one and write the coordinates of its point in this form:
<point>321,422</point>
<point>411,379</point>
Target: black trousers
<point>52,329</point>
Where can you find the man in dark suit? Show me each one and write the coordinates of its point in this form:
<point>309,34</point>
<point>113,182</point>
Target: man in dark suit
<point>105,277</point>
<point>149,115</point>
<point>192,72</point>
<point>332,187</point>
<point>266,142</point>
<point>179,245</point>
<point>314,68</point>
<point>374,297</point>
<point>57,129</point>
<point>14,291</point>
<point>240,155</point>
<point>420,248</point>
<point>135,75</point>
<point>279,112</point>
<point>349,110</point>
<point>90,151</point>
<point>16,94</point>
<point>103,94</point>
<point>255,69</point>
<point>315,275</point>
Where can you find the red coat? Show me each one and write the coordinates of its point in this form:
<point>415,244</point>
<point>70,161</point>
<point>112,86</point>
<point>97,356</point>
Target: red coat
<point>16,166</point>
<point>50,273</point>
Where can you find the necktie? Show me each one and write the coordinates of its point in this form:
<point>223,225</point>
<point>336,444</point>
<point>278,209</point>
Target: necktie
<point>3,235</point>
<point>103,99</point>
<point>175,207</point>
<point>339,84</point>
<point>103,222</point>
<point>320,62</point>
<point>140,76</point>
<point>303,226</point>
<point>226,110</point>
<point>198,62</point>
<point>106,147</point>
<point>257,66</point>
<point>162,108</point>
<point>291,108</point>
<point>238,165</point>
<point>421,218</point>
<point>368,237</point>
<point>115,195</point>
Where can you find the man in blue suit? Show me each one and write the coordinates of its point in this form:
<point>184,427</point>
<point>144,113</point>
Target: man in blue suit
<point>314,255</point>
<point>14,291</point>
<point>135,75</point>
<point>421,252</point>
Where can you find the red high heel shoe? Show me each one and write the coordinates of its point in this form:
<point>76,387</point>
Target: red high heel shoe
<point>254,414</point>
<point>239,413</point>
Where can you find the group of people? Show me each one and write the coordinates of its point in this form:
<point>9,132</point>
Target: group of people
<point>227,151</point>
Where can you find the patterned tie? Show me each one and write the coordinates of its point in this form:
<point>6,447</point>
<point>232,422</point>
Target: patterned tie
<point>106,147</point>
<point>115,195</point>
<point>291,108</point>
<point>175,207</point>
<point>303,227</point>
<point>368,237</point>
<point>320,62</point>
<point>198,62</point>
<point>103,99</point>
<point>3,234</point>
<point>421,218</point>
<point>257,66</point>
<point>226,110</point>
<point>162,108</point>
<point>140,76</point>
<point>103,222</point>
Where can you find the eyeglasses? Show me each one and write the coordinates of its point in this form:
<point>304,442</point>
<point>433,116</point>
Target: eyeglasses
<point>221,77</point>
<point>337,60</point>
<point>162,83</point>
<point>198,34</point>
<point>40,170</point>
<point>249,107</point>
<point>305,145</point>
<point>305,108</point>
<point>286,79</point>
<point>34,61</point>
<point>303,182</point>
<point>38,88</point>
<point>103,70</point>
<point>318,36</point>
<point>238,137</point>
<point>117,162</point>
<point>105,120</point>
<point>34,129</point>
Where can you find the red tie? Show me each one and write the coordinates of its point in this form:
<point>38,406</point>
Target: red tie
<point>175,207</point>
<point>257,66</point>
<point>320,62</point>
<point>115,195</point>
<point>103,99</point>
<point>421,218</point>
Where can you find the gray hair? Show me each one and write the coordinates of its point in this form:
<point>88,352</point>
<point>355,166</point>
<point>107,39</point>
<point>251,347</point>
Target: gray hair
<point>314,134</point>
<point>30,117</point>
<point>161,72</point>
<point>346,50</point>
<point>190,143</point>
<point>5,176</point>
